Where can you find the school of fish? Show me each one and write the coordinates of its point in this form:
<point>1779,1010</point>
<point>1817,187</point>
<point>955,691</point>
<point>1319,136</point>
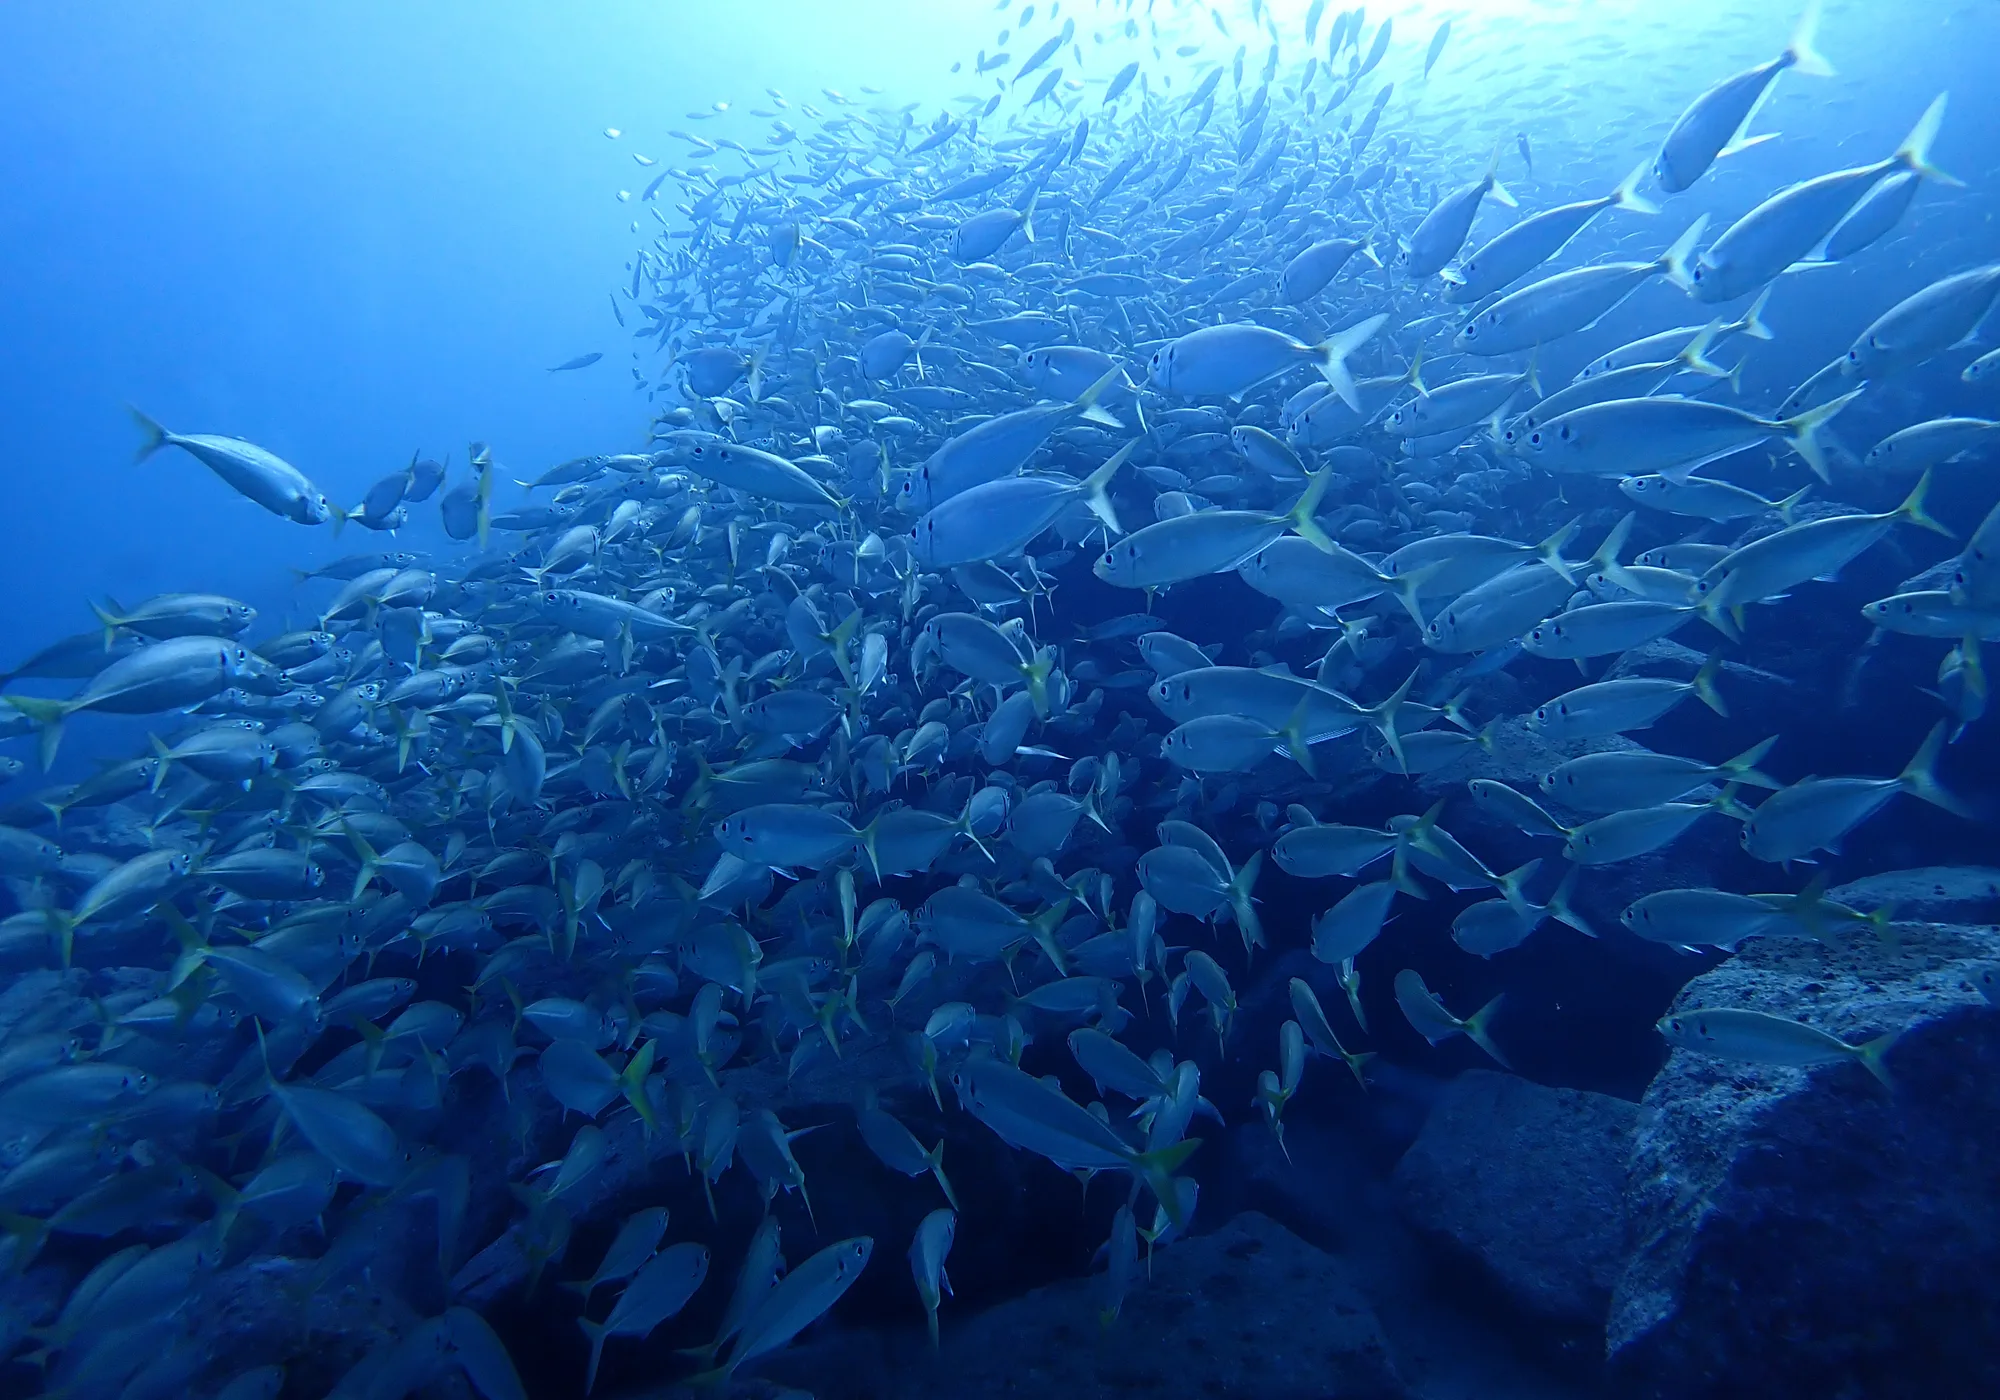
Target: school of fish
<point>760,743</point>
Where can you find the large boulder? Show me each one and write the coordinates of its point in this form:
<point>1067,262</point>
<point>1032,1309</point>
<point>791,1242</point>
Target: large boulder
<point>1805,1232</point>
<point>1250,1309</point>
<point>1526,1182</point>
<point>1952,894</point>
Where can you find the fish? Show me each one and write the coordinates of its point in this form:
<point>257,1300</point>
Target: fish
<point>1445,228</point>
<point>1814,813</point>
<point>1924,324</point>
<point>660,1289</point>
<point>269,480</point>
<point>1532,241</point>
<point>1429,1018</point>
<point>785,767</point>
<point>1759,1038</point>
<point>1716,123</point>
<point>1788,225</point>
<point>1230,360</point>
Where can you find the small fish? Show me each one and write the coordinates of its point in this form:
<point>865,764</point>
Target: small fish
<point>1758,1038</point>
<point>580,362</point>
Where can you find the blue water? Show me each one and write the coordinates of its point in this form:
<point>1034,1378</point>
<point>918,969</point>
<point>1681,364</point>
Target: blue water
<point>358,234</point>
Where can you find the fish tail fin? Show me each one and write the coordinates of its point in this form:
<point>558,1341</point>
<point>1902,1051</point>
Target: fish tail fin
<point>1241,906</point>
<point>1674,262</point>
<point>1043,927</point>
<point>1331,356</point>
<point>1493,185</point>
<point>1912,508</point>
<point>594,1331</point>
<point>49,714</point>
<point>1384,716</point>
<point>838,640</point>
<point>934,1159</point>
<point>1719,616</point>
<point>1414,375</point>
<point>370,864</point>
<point>1752,323</point>
<point>1357,1065</point>
<point>632,1083</point>
<point>1095,485</point>
<point>1695,354</point>
<point>1743,768</point>
<point>1874,1057</point>
<point>108,615</point>
<point>340,517</point>
<point>164,756</point>
<point>1513,886</point>
<point>1788,507</point>
<point>1562,908</point>
<point>62,927</point>
<point>1627,195</point>
<point>1919,778</point>
<point>1800,53</point>
<point>1036,673</point>
<point>1607,553</point>
<point>1157,1170</point>
<point>1476,1030</point>
<point>964,828</point>
<point>1308,506</point>
<point>1725,802</point>
<point>1704,684</point>
<point>1406,587</point>
<point>1550,550</point>
<point>1805,431</point>
<point>1915,152</point>
<point>1086,404</point>
<point>156,436</point>
<point>1296,742</point>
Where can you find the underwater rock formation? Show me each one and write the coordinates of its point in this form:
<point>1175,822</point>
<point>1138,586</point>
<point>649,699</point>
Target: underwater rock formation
<point>1804,1232</point>
<point>1527,1182</point>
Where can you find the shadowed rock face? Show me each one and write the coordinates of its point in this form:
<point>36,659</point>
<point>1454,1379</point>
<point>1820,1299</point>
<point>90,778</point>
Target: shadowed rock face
<point>1801,1232</point>
<point>1249,1310</point>
<point>1526,1182</point>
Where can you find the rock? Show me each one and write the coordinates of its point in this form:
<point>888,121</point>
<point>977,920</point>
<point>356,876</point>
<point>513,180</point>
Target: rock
<point>1248,1310</point>
<point>278,1311</point>
<point>1956,894</point>
<point>1800,1232</point>
<point>1528,1182</point>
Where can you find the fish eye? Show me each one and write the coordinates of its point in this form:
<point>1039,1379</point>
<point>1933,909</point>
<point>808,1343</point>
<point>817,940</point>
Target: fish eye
<point>1535,439</point>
